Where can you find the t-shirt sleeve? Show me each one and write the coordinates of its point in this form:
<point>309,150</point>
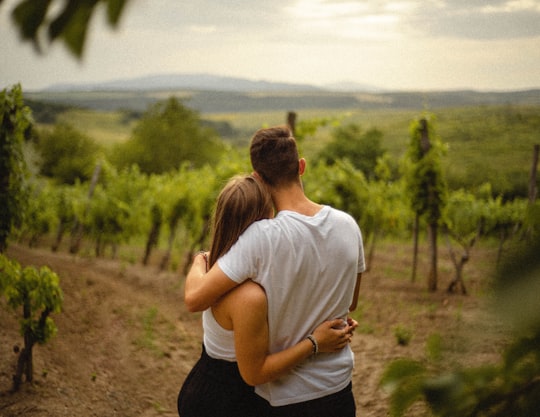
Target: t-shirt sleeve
<point>228,267</point>
<point>239,263</point>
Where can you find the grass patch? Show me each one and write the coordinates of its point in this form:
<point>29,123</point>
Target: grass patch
<point>106,128</point>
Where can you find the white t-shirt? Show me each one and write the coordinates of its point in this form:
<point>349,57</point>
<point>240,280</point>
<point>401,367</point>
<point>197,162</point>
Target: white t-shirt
<point>308,267</point>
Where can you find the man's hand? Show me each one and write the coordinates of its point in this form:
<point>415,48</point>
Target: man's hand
<point>333,335</point>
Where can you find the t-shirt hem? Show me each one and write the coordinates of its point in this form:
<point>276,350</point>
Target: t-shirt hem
<point>303,398</point>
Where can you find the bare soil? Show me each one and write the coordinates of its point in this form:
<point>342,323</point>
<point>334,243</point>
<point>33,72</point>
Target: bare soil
<point>125,341</point>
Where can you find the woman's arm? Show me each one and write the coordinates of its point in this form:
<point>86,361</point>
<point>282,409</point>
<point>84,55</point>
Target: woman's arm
<point>248,308</point>
<point>202,289</point>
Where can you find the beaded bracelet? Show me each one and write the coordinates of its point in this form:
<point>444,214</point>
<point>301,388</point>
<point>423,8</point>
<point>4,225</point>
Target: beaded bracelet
<point>315,344</point>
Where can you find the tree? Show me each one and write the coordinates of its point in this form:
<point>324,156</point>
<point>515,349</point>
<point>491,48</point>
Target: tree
<point>67,155</point>
<point>39,294</point>
<point>426,188</point>
<point>464,217</point>
<point>69,23</point>
<point>361,148</point>
<point>167,135</point>
<point>15,123</point>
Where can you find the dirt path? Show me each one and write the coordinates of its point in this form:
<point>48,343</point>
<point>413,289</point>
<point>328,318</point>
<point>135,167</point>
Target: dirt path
<point>125,341</point>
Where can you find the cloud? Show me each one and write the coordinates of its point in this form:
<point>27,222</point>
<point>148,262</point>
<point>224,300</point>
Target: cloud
<point>309,21</point>
<point>386,20</point>
<point>389,43</point>
<point>503,19</point>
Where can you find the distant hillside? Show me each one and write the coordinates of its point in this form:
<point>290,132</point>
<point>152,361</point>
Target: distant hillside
<point>207,101</point>
<point>215,94</point>
<point>200,82</point>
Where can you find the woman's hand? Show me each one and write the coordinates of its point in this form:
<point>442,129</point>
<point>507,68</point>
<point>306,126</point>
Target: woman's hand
<point>200,260</point>
<point>353,324</point>
<point>334,335</point>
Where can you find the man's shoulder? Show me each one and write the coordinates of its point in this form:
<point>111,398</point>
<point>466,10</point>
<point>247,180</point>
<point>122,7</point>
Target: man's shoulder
<point>340,214</point>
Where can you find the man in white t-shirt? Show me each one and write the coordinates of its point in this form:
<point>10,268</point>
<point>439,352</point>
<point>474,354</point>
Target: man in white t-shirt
<point>309,259</point>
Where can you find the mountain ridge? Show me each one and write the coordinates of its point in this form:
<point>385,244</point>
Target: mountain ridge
<point>189,81</point>
<point>213,93</point>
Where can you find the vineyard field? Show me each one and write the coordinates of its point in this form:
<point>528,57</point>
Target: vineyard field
<point>126,342</point>
<point>484,143</point>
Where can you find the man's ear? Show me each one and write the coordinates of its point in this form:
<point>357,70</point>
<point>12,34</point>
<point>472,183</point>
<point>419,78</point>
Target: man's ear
<point>301,166</point>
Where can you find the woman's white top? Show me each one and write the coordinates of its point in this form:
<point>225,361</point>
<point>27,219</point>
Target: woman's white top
<point>219,342</point>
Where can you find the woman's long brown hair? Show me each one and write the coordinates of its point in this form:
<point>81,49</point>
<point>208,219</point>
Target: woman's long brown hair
<point>242,201</point>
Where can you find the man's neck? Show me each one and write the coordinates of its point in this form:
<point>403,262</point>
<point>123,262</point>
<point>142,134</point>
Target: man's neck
<point>294,199</point>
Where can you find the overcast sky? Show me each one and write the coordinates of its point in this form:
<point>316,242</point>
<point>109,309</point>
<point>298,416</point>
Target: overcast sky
<point>398,45</point>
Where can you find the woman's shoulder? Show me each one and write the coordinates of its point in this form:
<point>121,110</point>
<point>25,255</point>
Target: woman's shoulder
<point>249,294</point>
<point>247,299</point>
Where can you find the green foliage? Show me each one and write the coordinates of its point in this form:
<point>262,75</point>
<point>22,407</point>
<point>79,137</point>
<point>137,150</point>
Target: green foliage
<point>41,213</point>
<point>403,335</point>
<point>403,378</point>
<point>15,122</point>
<point>62,199</point>
<point>308,127</point>
<point>509,388</point>
<point>503,219</point>
<point>340,185</point>
<point>387,212</point>
<point>167,135</point>
<point>36,289</point>
<point>67,155</point>
<point>490,144</point>
<point>434,347</point>
<point>362,149</point>
<point>463,214</point>
<point>117,212</point>
<point>70,23</point>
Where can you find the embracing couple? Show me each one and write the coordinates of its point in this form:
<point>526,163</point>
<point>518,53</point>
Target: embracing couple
<point>276,288</point>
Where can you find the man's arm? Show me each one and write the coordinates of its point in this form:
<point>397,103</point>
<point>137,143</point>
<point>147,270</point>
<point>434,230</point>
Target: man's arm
<point>356,291</point>
<point>202,289</point>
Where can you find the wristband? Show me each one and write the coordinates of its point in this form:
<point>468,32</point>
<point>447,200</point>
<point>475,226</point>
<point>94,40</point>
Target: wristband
<point>315,344</point>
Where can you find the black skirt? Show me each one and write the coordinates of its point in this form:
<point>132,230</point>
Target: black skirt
<point>214,388</point>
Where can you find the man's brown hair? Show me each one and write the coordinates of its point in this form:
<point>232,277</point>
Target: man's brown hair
<point>274,156</point>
